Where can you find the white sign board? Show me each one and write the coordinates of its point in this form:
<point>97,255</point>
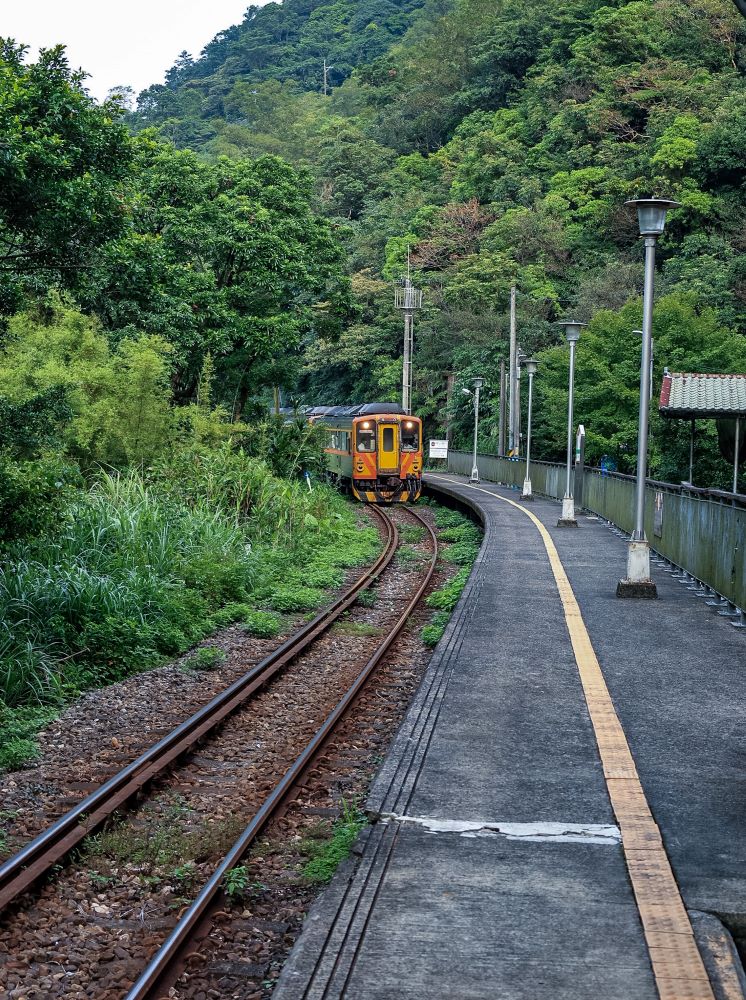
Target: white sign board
<point>438,449</point>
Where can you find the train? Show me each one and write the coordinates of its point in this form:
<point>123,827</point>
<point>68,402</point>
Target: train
<point>373,449</point>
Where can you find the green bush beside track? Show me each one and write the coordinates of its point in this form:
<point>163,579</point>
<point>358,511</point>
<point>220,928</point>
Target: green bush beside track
<point>142,567</point>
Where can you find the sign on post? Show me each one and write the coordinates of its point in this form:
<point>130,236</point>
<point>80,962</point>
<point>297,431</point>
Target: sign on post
<point>438,449</point>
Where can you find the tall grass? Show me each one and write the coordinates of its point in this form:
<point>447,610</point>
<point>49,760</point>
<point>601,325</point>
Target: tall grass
<point>140,568</point>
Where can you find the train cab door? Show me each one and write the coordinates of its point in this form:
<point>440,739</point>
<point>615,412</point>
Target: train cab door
<point>388,448</point>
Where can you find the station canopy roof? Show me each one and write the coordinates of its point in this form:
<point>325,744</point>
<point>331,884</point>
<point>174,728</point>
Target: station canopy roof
<point>690,395</point>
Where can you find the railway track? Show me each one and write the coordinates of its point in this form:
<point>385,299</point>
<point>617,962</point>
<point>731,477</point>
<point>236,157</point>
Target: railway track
<point>168,964</point>
<point>48,849</point>
<point>51,846</point>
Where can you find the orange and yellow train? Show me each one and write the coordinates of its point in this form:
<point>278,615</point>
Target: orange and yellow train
<point>375,449</point>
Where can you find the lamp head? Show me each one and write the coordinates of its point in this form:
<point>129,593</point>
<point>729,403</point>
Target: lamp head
<point>651,214</point>
<point>467,391</point>
<point>478,382</point>
<point>572,330</point>
<point>531,365</point>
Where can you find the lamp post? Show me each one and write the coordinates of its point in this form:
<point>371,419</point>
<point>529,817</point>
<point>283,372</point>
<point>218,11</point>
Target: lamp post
<point>638,333</point>
<point>520,357</point>
<point>651,217</point>
<point>478,383</point>
<point>572,335</point>
<point>512,365</point>
<point>531,365</point>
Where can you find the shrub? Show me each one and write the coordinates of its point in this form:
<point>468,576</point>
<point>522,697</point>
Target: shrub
<point>18,727</point>
<point>232,612</point>
<point>462,553</point>
<point>17,751</point>
<point>447,518</point>
<point>298,598</point>
<point>411,533</point>
<point>34,495</point>
<point>262,624</point>
<point>323,576</point>
<point>465,538</point>
<point>205,658</point>
<point>465,532</point>
<point>432,633</point>
<point>367,598</point>
<point>237,882</point>
<point>447,597</point>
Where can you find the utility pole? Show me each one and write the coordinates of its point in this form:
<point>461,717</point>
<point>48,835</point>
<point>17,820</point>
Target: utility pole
<point>326,77</point>
<point>451,378</point>
<point>513,378</point>
<point>518,357</point>
<point>501,420</point>
<point>408,299</point>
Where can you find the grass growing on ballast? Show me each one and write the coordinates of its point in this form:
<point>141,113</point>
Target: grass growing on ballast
<point>328,853</point>
<point>463,539</point>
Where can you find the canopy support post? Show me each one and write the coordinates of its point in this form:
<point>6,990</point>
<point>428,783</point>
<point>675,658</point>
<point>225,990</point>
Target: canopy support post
<point>735,455</point>
<point>691,455</point>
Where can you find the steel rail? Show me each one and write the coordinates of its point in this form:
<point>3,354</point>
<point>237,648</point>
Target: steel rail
<point>168,963</point>
<point>47,849</point>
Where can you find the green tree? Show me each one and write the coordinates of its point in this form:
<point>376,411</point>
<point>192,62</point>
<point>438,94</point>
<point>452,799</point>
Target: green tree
<point>63,159</point>
<point>226,258</point>
<point>118,399</point>
<point>688,337</point>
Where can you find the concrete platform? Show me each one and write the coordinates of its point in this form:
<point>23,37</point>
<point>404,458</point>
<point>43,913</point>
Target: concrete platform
<point>495,869</point>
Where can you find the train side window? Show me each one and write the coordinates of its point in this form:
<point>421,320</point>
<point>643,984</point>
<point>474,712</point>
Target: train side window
<point>388,439</point>
<point>410,436</point>
<point>366,438</point>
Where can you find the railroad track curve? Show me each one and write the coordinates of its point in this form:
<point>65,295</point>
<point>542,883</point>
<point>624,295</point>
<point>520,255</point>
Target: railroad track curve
<point>49,848</point>
<point>52,845</point>
<point>168,964</point>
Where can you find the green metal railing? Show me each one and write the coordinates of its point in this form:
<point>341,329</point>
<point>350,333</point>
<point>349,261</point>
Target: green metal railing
<point>701,531</point>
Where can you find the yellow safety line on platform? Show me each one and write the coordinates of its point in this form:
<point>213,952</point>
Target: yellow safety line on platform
<point>677,964</point>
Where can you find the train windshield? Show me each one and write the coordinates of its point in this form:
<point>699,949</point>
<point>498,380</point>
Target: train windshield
<point>410,436</point>
<point>366,437</point>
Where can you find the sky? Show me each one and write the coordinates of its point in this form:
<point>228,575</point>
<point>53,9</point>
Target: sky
<point>130,44</point>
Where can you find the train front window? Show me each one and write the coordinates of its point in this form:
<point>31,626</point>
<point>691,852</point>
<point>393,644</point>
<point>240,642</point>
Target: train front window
<point>388,438</point>
<point>366,438</point>
<point>410,436</point>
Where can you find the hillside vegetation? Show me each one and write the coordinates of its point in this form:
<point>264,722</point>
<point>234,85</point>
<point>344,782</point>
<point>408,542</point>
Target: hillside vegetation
<point>500,141</point>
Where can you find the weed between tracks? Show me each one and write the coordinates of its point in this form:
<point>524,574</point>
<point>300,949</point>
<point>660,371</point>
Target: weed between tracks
<point>346,627</point>
<point>159,851</point>
<point>412,534</point>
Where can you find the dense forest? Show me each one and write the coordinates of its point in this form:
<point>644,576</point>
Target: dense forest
<point>500,141</point>
<point>166,263</point>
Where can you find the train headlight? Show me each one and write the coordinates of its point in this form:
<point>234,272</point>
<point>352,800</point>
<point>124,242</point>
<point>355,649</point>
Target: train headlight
<point>366,423</point>
<point>409,423</point>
